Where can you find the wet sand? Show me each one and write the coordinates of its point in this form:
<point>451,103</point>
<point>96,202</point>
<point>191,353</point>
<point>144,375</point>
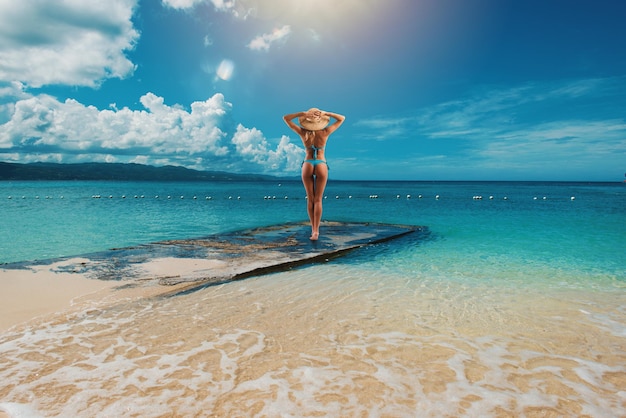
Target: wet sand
<point>336,339</point>
<point>40,292</point>
<point>297,343</point>
<point>37,289</point>
<point>37,292</point>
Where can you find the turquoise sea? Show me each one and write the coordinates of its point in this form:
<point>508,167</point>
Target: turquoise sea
<point>511,303</point>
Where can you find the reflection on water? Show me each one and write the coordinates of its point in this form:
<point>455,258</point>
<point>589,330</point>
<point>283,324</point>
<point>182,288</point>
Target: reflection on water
<point>329,340</point>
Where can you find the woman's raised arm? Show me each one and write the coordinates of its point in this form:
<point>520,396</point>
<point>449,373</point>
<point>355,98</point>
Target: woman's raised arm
<point>336,124</point>
<point>289,121</point>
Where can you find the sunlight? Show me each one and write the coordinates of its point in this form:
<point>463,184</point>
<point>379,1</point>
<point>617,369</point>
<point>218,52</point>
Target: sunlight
<point>312,13</point>
<point>225,70</point>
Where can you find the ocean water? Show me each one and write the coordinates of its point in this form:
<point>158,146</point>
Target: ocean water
<point>511,303</point>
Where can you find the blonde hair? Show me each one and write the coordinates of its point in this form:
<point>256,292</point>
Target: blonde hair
<point>309,135</point>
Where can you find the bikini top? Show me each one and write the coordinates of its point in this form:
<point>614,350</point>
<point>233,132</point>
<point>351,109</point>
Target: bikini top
<point>315,149</point>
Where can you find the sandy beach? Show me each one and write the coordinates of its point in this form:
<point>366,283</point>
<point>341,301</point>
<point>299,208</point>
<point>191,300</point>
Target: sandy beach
<point>33,290</point>
<point>39,291</point>
<point>284,341</point>
<point>344,337</point>
<point>36,294</point>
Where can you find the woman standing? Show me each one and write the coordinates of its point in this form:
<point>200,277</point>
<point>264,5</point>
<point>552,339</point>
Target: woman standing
<point>314,130</point>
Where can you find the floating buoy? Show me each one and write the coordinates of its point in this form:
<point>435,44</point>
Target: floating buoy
<point>572,198</point>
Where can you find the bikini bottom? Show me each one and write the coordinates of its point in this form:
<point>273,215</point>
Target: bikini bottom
<point>315,162</point>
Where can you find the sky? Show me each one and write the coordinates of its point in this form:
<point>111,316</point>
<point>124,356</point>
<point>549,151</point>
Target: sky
<point>431,89</point>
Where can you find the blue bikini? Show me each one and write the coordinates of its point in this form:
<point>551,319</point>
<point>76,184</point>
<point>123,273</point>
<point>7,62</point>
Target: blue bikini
<point>315,161</point>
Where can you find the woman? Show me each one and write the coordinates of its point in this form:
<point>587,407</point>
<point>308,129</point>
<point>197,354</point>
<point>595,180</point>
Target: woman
<point>314,130</point>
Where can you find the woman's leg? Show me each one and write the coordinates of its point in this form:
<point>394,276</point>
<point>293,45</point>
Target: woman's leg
<point>321,178</point>
<point>308,180</point>
<point>314,180</point>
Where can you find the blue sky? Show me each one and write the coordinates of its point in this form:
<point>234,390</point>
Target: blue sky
<point>431,89</point>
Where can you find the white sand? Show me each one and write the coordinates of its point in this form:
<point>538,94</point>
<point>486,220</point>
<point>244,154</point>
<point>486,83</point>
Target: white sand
<point>29,294</point>
<point>42,291</point>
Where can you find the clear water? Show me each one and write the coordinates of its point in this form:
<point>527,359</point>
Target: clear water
<point>507,307</point>
<point>517,227</point>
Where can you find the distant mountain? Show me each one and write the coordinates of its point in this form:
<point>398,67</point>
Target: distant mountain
<point>117,171</point>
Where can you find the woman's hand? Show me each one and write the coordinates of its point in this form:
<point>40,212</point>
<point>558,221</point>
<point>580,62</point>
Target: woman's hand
<point>314,113</point>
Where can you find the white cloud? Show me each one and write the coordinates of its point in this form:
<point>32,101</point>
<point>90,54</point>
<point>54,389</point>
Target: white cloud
<point>252,145</point>
<point>182,4</point>
<point>263,42</point>
<point>563,143</point>
<point>314,35</point>
<point>65,42</point>
<point>564,128</point>
<point>223,4</point>
<point>236,8</point>
<point>43,129</point>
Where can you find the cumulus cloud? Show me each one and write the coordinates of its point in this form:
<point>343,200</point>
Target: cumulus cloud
<point>42,128</point>
<point>66,42</point>
<point>251,144</point>
<point>182,4</point>
<point>263,42</point>
<point>239,9</point>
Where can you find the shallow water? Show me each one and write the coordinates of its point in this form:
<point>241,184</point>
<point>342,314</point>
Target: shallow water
<point>505,308</point>
<point>330,340</point>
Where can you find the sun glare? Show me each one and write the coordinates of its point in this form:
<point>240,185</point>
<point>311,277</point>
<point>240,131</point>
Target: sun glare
<point>225,70</point>
<point>312,13</point>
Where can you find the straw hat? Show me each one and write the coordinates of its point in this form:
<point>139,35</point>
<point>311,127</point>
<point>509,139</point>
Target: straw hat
<point>314,123</point>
